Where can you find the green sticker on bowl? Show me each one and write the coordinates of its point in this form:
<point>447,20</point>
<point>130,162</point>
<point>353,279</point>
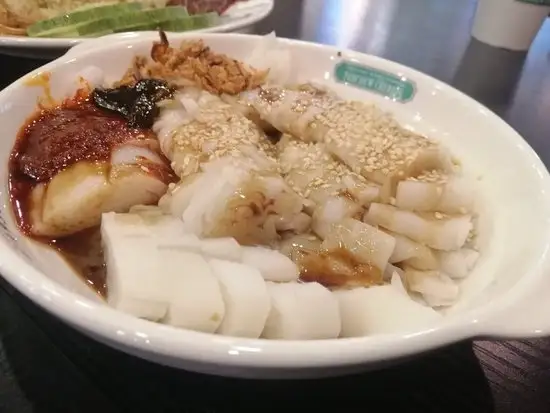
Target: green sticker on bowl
<point>383,83</point>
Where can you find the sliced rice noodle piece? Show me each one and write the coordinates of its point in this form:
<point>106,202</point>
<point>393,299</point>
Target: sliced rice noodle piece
<point>75,198</point>
<point>367,244</point>
<point>197,128</point>
<point>396,276</point>
<point>292,246</point>
<point>272,264</point>
<point>399,155</point>
<point>195,300</point>
<point>247,301</point>
<point>324,118</point>
<point>166,124</point>
<point>148,221</point>
<point>222,248</point>
<point>316,174</point>
<point>456,195</point>
<point>135,286</point>
<point>302,311</point>
<point>61,207</point>
<point>233,200</point>
<point>332,212</point>
<point>299,223</point>
<point>421,159</point>
<point>444,233</point>
<point>289,110</point>
<point>309,169</point>
<point>382,310</point>
<point>413,254</point>
<point>363,193</point>
<point>436,287</point>
<point>458,264</point>
<point>241,105</point>
<point>178,197</point>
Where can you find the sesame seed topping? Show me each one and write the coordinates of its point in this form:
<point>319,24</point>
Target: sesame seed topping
<point>217,131</point>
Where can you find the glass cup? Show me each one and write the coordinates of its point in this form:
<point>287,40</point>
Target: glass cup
<point>509,24</point>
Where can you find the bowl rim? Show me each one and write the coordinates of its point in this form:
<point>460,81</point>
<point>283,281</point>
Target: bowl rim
<point>120,329</point>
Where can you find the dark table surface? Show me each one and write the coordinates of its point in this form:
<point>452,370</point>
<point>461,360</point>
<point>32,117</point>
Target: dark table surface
<point>47,367</point>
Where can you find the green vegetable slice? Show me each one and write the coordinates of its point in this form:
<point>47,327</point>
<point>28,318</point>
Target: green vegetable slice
<point>81,16</point>
<point>119,22</point>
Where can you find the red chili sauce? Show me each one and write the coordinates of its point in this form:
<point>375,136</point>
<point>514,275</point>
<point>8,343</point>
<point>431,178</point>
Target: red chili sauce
<point>52,140</point>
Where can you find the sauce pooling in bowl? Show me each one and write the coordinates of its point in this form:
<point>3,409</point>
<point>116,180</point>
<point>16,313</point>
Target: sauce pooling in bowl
<point>72,162</point>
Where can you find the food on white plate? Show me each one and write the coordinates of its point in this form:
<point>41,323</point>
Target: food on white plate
<point>302,311</point>
<point>273,265</point>
<point>414,254</point>
<point>94,18</point>
<point>335,191</point>
<point>390,154</point>
<point>436,230</point>
<point>381,310</point>
<point>229,183</point>
<point>458,264</point>
<point>195,300</point>
<point>75,161</point>
<point>214,195</point>
<point>247,300</point>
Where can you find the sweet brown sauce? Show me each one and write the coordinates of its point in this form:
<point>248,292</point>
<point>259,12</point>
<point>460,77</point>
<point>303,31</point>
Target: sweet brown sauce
<point>52,140</point>
<point>337,268</point>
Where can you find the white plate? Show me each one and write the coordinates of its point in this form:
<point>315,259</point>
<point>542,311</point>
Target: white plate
<point>239,18</point>
<point>505,296</point>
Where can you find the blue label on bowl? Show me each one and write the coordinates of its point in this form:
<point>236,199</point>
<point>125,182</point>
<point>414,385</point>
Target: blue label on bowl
<point>374,80</point>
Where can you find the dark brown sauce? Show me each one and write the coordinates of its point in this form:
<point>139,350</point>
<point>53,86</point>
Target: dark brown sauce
<point>53,139</point>
<point>83,252</point>
<point>337,268</point>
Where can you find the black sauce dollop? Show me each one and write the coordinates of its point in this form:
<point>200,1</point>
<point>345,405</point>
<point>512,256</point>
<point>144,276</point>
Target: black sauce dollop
<point>137,103</point>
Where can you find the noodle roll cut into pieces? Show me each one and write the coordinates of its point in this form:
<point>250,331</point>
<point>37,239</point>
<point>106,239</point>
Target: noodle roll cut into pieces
<point>301,311</point>
<point>364,137</point>
<point>381,310</point>
<point>273,265</point>
<point>412,253</point>
<point>335,191</point>
<point>230,185</point>
<point>247,301</point>
<point>366,244</point>
<point>435,192</point>
<point>434,230</point>
<point>458,264</point>
<point>353,253</point>
<point>172,283</point>
<point>75,197</point>
<point>195,299</point>
<point>436,288</point>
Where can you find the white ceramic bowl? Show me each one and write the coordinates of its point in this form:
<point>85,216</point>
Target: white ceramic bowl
<point>240,18</point>
<point>506,295</point>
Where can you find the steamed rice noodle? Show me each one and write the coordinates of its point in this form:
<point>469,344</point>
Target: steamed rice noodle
<point>341,224</point>
<point>229,184</point>
<point>437,231</point>
<point>75,162</point>
<point>362,136</point>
